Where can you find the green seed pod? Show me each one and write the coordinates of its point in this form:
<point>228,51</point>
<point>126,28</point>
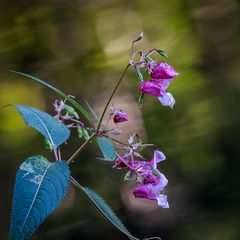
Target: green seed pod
<point>47,144</point>
<point>71,111</point>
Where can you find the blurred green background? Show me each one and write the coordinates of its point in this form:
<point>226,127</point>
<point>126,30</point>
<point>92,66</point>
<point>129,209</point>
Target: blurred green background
<point>82,47</point>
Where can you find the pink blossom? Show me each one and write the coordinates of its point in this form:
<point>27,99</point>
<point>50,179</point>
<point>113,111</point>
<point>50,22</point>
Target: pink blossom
<point>158,89</point>
<point>163,71</point>
<point>151,87</point>
<point>143,191</point>
<point>151,192</point>
<point>120,116</point>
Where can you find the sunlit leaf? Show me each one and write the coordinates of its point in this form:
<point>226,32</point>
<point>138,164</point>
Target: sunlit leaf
<point>107,148</point>
<point>39,188</point>
<point>56,132</point>
<point>102,206</point>
<point>72,101</point>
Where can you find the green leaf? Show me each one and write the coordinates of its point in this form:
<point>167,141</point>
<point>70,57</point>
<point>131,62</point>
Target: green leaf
<point>73,102</point>
<point>93,112</point>
<point>162,53</point>
<point>55,131</point>
<point>106,211</point>
<point>82,133</point>
<point>107,148</point>
<point>39,188</point>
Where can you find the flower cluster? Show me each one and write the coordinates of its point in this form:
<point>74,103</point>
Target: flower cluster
<point>161,75</point>
<point>150,181</point>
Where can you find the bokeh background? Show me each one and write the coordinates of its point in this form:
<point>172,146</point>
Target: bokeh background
<point>82,47</point>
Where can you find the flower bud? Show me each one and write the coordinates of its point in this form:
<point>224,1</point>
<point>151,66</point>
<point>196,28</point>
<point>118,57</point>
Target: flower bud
<point>163,71</point>
<point>151,87</point>
<point>120,116</point>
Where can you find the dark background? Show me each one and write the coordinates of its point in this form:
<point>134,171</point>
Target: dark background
<point>82,47</point>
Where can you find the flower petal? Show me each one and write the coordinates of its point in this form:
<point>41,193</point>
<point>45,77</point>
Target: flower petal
<point>162,201</point>
<point>163,71</point>
<point>158,156</point>
<point>167,100</point>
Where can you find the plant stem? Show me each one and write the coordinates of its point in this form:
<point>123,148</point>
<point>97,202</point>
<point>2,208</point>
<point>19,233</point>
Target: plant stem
<point>55,154</point>
<point>115,140</point>
<point>113,92</point>
<point>71,159</point>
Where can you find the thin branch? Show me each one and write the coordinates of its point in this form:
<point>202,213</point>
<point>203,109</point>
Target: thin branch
<point>113,92</point>
<point>71,159</point>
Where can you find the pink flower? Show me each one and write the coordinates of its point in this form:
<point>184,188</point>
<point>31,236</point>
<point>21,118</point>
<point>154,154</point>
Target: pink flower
<point>144,191</point>
<point>158,88</point>
<point>163,71</point>
<point>120,116</point>
<point>151,192</point>
<point>151,87</point>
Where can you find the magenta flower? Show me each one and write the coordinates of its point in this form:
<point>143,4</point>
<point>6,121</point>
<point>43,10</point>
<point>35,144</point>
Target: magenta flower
<point>120,116</point>
<point>158,88</point>
<point>163,71</point>
<point>151,87</point>
<point>151,192</point>
<point>144,191</point>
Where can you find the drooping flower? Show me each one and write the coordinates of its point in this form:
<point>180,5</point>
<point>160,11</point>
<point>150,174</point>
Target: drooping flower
<point>151,87</point>
<point>144,191</point>
<point>158,88</point>
<point>163,71</point>
<point>120,116</point>
<point>151,192</point>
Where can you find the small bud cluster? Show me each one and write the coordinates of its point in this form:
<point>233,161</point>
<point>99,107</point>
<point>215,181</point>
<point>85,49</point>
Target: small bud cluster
<point>66,113</point>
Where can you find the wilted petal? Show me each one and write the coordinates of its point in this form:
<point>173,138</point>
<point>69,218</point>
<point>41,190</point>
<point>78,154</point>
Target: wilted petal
<point>162,201</point>
<point>167,100</point>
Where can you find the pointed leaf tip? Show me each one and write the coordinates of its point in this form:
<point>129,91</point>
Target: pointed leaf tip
<point>72,101</point>
<point>105,210</point>
<point>107,148</point>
